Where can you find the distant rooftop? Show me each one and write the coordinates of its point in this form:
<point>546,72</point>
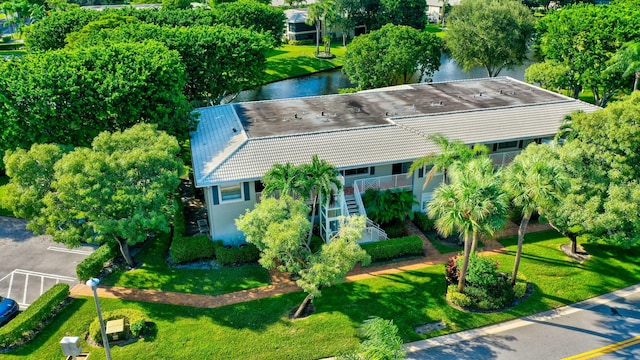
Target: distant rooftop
<point>336,112</point>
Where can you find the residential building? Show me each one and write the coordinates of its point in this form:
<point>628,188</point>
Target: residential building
<point>371,137</point>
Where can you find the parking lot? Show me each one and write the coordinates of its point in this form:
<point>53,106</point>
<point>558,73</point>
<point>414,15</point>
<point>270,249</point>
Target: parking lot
<point>31,264</point>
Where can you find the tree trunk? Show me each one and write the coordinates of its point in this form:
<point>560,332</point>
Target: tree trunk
<point>124,249</point>
<point>344,39</point>
<point>474,244</point>
<point>302,306</point>
<point>521,231</point>
<point>465,263</point>
<point>317,37</point>
<point>574,243</point>
<point>313,219</point>
<point>635,80</point>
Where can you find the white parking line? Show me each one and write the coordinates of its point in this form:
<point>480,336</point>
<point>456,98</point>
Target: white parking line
<point>52,276</point>
<point>69,251</point>
<point>27,294</point>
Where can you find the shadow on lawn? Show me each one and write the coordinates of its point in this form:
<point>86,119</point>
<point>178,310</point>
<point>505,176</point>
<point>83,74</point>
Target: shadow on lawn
<point>295,66</point>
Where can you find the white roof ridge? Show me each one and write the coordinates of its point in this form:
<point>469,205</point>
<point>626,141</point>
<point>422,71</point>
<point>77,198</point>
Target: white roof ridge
<point>282,136</point>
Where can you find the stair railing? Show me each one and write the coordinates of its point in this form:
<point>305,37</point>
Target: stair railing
<point>356,195</point>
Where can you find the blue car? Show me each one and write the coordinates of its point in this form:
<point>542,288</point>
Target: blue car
<point>8,308</point>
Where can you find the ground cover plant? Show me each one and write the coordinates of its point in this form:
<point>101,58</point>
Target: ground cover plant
<point>410,298</point>
<point>290,61</point>
<point>153,272</point>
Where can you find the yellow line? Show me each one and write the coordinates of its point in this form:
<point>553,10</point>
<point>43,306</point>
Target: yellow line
<point>605,349</point>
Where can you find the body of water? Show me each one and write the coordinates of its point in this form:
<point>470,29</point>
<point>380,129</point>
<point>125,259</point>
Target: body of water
<point>328,82</point>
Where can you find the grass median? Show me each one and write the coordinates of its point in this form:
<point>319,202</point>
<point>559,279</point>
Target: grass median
<point>262,329</point>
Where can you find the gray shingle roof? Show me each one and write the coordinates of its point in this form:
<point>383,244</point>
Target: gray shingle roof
<point>221,155</point>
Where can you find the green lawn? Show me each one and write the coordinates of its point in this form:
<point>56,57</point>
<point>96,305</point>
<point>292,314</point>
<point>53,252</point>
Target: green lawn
<point>410,299</point>
<point>435,29</point>
<point>154,273</point>
<point>291,61</point>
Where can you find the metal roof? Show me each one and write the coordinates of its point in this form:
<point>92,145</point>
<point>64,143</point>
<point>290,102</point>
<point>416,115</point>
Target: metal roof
<point>221,155</point>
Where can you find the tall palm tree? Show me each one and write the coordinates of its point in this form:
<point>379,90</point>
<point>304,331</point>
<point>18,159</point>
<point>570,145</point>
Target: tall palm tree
<point>629,58</point>
<point>285,178</point>
<point>472,204</point>
<point>450,152</point>
<point>318,15</point>
<point>319,177</point>
<point>533,181</point>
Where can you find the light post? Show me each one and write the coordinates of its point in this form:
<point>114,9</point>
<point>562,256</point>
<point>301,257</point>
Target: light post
<point>93,284</point>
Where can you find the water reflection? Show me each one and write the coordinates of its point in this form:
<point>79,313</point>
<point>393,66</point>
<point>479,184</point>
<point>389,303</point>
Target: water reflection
<point>329,82</point>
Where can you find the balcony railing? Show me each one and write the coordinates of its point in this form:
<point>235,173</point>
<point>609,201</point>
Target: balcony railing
<point>400,181</point>
<point>502,159</point>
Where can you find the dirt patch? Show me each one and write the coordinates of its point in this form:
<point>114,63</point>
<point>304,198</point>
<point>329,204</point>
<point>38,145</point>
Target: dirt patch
<point>430,327</point>
<point>580,255</point>
<point>194,207</point>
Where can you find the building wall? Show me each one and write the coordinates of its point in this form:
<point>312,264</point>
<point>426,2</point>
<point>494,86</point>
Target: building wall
<point>222,216</point>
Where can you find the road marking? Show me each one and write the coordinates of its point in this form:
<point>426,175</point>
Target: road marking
<point>52,276</point>
<point>70,251</point>
<point>605,349</point>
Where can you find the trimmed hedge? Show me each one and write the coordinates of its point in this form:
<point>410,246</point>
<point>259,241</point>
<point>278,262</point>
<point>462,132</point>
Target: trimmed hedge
<point>134,322</point>
<point>423,222</point>
<point>94,263</point>
<point>185,249</point>
<point>21,329</point>
<point>394,248</point>
<point>242,255</point>
<point>11,46</point>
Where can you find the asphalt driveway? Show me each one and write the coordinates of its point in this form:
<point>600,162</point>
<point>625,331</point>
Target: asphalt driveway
<point>30,264</point>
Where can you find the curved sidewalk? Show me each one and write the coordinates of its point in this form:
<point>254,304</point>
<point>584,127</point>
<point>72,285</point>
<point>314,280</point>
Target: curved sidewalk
<point>280,283</point>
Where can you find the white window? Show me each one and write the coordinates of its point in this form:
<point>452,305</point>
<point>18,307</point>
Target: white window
<point>230,193</point>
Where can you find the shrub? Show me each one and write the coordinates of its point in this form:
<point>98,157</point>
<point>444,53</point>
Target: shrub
<point>179,226</point>
<point>21,328</point>
<point>520,289</point>
<point>93,264</point>
<point>133,320</point>
<point>457,298</point>
<point>316,243</point>
<point>423,222</point>
<point>185,249</point>
<point>396,229</point>
<point>394,248</point>
<point>6,38</point>
<point>451,271</point>
<point>11,46</point>
<point>482,271</point>
<point>242,255</point>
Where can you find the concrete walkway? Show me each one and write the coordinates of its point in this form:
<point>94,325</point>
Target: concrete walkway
<point>282,284</point>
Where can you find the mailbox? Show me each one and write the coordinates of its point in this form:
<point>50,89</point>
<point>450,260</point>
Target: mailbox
<point>71,346</point>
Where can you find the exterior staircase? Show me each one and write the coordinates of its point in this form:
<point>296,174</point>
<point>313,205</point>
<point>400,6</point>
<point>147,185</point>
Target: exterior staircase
<point>352,205</point>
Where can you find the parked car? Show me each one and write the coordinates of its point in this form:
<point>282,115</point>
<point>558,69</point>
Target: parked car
<point>8,308</point>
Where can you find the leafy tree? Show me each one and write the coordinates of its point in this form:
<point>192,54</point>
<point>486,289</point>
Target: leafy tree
<point>534,181</point>
<point>472,204</point>
<point>629,58</point>
<point>31,174</point>
<point>220,60</point>
<point>50,32</point>
<point>109,21</point>
<point>388,206</point>
<point>494,34</point>
<point>319,178</point>
<point>253,15</point>
<point>69,96</point>
<point>317,16</point>
<point>278,227</point>
<point>176,4</point>
<point>583,38</point>
<point>405,12</point>
<point>450,153</point>
<point>285,179</point>
<point>121,188</point>
<point>602,162</point>
<point>392,55</point>
<point>550,74</point>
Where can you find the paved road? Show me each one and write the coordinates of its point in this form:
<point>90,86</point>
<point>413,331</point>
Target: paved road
<point>573,330</point>
<point>31,264</point>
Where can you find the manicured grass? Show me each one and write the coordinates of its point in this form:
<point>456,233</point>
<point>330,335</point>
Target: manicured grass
<point>154,273</point>
<point>291,61</point>
<point>261,329</point>
<point>435,29</point>
<point>3,193</point>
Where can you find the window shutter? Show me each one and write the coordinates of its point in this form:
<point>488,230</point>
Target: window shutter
<point>421,172</point>
<point>247,196</point>
<point>372,170</point>
<point>216,199</point>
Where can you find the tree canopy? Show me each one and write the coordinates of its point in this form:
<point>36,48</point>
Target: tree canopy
<point>69,96</point>
<point>219,60</point>
<point>494,34</point>
<point>392,55</point>
<point>405,12</point>
<point>583,38</point>
<point>119,189</point>
<point>602,161</point>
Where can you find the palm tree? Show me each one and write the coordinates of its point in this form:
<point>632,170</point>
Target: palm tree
<point>629,58</point>
<point>472,204</point>
<point>450,152</point>
<point>285,178</point>
<point>318,178</point>
<point>533,181</point>
<point>318,15</point>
